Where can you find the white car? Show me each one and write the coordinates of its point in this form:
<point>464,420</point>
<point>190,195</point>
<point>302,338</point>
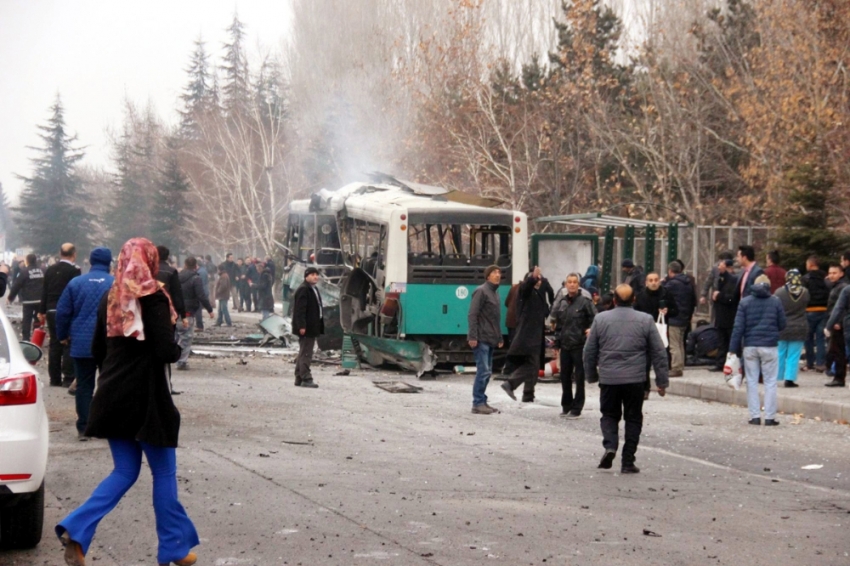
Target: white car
<point>23,441</point>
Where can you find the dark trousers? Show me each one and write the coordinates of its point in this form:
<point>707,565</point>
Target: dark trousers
<point>525,373</point>
<point>245,297</point>
<point>626,402</point>
<point>726,337</point>
<point>304,359</point>
<point>199,318</point>
<point>85,369</point>
<point>572,369</point>
<point>59,359</point>
<point>30,313</point>
<point>255,296</point>
<point>837,354</point>
<point>510,365</point>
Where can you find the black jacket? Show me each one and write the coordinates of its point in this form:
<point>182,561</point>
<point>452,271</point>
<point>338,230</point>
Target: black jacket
<point>29,284</point>
<point>531,319</point>
<point>682,290</point>
<point>727,301</point>
<point>264,290</point>
<point>636,279</point>
<point>484,319</point>
<point>306,312</point>
<point>232,270</point>
<point>574,315</point>
<point>194,296</point>
<point>133,400</point>
<point>168,276</point>
<point>56,278</point>
<point>649,301</point>
<point>815,282</point>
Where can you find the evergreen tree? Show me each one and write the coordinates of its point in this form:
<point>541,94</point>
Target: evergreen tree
<point>170,209</point>
<point>197,94</point>
<point>269,91</point>
<point>53,205</point>
<point>7,226</point>
<point>235,91</point>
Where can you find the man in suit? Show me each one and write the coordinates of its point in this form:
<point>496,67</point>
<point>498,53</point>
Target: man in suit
<point>750,270</point>
<point>56,278</point>
<point>308,322</point>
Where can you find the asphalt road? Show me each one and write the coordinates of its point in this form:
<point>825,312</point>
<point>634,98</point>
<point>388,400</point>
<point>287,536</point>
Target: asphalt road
<point>351,474</point>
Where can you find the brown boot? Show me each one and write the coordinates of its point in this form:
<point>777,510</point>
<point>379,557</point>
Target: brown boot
<point>73,551</point>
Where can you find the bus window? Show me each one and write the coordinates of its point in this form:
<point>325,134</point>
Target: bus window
<point>327,235</point>
<point>490,245</point>
<point>307,237</point>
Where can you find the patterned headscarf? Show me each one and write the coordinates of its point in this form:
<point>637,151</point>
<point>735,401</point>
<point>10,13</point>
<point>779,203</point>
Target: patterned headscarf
<point>135,277</point>
<point>794,283</point>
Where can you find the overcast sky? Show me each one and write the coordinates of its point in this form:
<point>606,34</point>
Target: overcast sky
<point>93,52</point>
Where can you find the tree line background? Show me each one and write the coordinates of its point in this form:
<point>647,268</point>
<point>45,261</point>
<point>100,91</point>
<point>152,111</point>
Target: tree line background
<point>712,111</point>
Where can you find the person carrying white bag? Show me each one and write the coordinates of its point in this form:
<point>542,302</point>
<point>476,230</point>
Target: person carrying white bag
<point>732,371</point>
<point>657,302</point>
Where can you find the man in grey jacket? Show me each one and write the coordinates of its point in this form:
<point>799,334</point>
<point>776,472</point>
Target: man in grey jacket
<point>485,335</point>
<point>617,348</point>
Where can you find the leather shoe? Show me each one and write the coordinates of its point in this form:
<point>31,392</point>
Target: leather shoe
<point>790,384</point>
<point>188,560</point>
<point>629,469</point>
<point>506,387</point>
<point>834,383</point>
<point>310,384</point>
<point>756,422</point>
<point>771,422</point>
<point>607,460</point>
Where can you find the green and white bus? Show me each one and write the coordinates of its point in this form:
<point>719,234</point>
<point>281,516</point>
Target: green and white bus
<point>403,260</point>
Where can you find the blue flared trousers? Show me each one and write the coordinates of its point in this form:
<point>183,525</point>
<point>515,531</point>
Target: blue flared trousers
<point>175,531</point>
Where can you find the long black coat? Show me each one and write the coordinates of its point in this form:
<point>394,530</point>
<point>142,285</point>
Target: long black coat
<point>306,312</point>
<point>531,319</point>
<point>726,305</point>
<point>133,400</point>
<point>264,288</point>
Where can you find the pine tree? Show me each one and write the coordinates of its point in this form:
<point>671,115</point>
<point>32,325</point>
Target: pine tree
<point>7,226</point>
<point>197,94</point>
<point>269,91</point>
<point>53,208</point>
<point>170,209</point>
<point>235,91</point>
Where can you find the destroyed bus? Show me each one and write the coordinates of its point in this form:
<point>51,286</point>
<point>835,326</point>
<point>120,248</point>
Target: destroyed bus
<point>399,263</point>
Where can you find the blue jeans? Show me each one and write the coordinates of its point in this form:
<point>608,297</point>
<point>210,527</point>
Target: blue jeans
<point>483,370</point>
<point>789,360</point>
<point>223,313</point>
<point>174,528</point>
<point>815,337</point>
<point>85,370</point>
<point>764,361</point>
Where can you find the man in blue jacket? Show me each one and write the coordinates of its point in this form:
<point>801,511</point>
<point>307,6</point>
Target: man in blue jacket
<point>76,316</point>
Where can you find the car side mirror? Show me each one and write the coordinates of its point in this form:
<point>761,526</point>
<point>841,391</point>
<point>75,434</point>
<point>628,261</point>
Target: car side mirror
<point>32,353</point>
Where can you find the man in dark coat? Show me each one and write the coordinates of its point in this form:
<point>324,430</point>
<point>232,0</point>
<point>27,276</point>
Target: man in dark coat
<point>682,290</point>
<point>232,271</point>
<point>308,321</point>
<point>484,335</point>
<point>168,276</point>
<point>634,276</point>
<point>525,349</point>
<point>56,278</point>
<point>726,299</point>
<point>512,304</point>
<point>835,354</point>
<point>573,315</point>
<point>194,298</point>
<point>252,276</point>
<point>815,281</point>
<point>264,291</point>
<point>619,343</point>
<point>29,285</point>
<point>655,300</point>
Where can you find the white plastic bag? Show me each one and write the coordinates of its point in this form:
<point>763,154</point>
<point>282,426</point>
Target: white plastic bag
<point>661,325</point>
<point>732,371</point>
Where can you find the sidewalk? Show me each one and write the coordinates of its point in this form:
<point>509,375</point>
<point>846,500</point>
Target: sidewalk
<point>811,399</point>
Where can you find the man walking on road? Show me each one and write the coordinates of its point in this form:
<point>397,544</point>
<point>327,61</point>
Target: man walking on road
<point>56,278</point>
<point>616,353</point>
<point>485,335</point>
<point>574,315</point>
<point>308,321</point>
<point>29,284</point>
<point>194,299</point>
<point>76,317</point>
<point>168,276</point>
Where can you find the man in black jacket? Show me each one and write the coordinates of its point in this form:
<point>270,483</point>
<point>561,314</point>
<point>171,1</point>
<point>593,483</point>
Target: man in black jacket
<point>726,298</point>
<point>56,278</point>
<point>308,321</point>
<point>168,276</point>
<point>573,315</point>
<point>265,293</point>
<point>29,285</point>
<point>682,290</point>
<point>655,300</point>
<point>194,297</point>
<point>232,271</point>
<point>525,349</point>
<point>484,334</point>
<point>815,281</point>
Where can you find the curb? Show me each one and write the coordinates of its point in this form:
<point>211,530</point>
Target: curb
<point>809,408</point>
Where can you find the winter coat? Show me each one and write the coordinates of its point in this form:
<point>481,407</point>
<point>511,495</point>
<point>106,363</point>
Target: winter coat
<point>194,296</point>
<point>755,271</point>
<point>759,320</point>
<point>265,295</point>
<point>704,342</point>
<point>205,278</point>
<point>56,278</point>
<point>133,400</point>
<point>649,301</point>
<point>531,319</point>
<point>252,275</point>
<point>682,290</point>
<point>841,312</point>
<point>512,304</point>
<point>4,278</point>
<point>222,287</point>
<point>307,311</point>
<point>636,279</point>
<point>29,284</point>
<point>590,281</point>
<point>620,343</point>
<point>232,271</point>
<point>169,276</point>
<point>76,313</point>
<point>573,315</point>
<point>711,282</point>
<point>777,277</point>
<point>796,325</point>
<point>815,282</point>
<point>727,301</point>
<point>834,293</point>
<point>485,315</point>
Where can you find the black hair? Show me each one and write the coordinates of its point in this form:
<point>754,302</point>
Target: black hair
<point>164,253</point>
<point>748,252</point>
<point>191,262</point>
<point>773,256</point>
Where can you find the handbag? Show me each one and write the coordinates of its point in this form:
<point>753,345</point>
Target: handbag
<point>661,325</point>
<point>732,371</point>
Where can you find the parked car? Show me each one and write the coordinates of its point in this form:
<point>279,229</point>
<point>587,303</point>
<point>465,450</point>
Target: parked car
<point>23,441</point>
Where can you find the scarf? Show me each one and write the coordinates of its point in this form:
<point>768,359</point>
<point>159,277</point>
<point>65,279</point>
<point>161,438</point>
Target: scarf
<point>135,277</point>
<point>794,283</point>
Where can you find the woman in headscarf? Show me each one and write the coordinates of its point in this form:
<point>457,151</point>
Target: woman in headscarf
<point>795,299</point>
<point>132,407</point>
